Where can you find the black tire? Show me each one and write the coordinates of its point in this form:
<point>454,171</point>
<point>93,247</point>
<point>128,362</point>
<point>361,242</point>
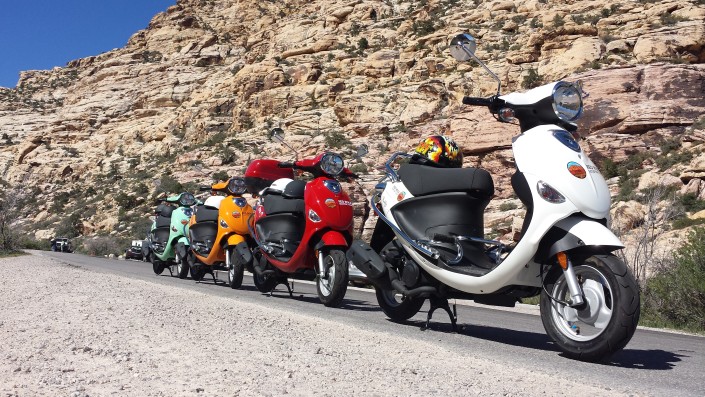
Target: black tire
<point>197,272</point>
<point>182,267</point>
<point>264,283</point>
<point>157,266</point>
<point>236,270</point>
<point>607,322</point>
<point>331,291</point>
<point>397,308</point>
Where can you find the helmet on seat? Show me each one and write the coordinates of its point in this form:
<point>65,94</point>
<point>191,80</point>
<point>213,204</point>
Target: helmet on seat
<point>438,151</point>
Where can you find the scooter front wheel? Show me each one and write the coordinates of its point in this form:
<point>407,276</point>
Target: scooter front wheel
<point>606,322</point>
<point>236,270</point>
<point>182,267</point>
<point>395,306</point>
<point>331,290</point>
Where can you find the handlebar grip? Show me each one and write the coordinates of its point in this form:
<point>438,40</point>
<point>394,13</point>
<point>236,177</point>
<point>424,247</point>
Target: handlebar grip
<point>285,164</point>
<point>204,188</point>
<point>475,101</point>
<point>444,238</point>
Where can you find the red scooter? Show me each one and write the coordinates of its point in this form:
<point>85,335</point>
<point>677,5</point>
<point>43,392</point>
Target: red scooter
<point>302,229</point>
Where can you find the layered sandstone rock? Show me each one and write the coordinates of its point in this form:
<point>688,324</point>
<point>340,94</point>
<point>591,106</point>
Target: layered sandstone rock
<point>206,80</point>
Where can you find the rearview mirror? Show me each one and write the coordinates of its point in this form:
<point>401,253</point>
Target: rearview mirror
<point>277,134</point>
<point>362,150</point>
<point>462,47</point>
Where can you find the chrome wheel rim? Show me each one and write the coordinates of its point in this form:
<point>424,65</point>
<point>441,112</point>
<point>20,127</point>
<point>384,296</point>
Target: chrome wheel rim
<point>326,284</point>
<point>592,320</point>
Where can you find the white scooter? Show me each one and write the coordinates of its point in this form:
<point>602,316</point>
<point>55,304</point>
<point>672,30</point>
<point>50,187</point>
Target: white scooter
<point>428,241</point>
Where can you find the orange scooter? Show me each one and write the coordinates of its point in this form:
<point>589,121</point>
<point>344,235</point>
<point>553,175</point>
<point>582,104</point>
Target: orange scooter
<point>219,233</point>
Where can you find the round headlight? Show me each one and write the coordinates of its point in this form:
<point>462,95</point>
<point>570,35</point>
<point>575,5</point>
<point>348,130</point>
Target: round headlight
<point>237,186</point>
<point>567,101</point>
<point>187,199</point>
<point>332,164</point>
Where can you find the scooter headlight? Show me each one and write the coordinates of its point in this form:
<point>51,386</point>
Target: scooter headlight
<point>187,200</point>
<point>567,101</point>
<point>332,164</point>
<point>237,186</point>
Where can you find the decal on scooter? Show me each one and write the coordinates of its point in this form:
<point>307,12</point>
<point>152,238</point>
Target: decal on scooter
<point>592,169</point>
<point>236,214</point>
<point>577,170</point>
<point>401,196</point>
<point>330,203</point>
<point>345,202</point>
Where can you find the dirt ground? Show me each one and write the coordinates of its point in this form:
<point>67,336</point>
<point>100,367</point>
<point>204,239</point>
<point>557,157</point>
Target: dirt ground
<point>67,331</point>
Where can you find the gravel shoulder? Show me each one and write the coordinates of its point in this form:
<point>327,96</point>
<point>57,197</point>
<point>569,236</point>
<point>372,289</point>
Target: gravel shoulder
<point>68,331</point>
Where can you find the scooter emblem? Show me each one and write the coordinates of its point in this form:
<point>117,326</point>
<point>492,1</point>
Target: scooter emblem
<point>330,203</point>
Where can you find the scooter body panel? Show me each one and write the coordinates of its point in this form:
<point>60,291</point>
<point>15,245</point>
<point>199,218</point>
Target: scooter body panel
<point>332,205</point>
<point>178,230</point>
<point>540,153</point>
<point>537,152</point>
<point>233,215</point>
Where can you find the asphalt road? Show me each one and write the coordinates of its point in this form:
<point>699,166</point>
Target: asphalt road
<point>653,363</point>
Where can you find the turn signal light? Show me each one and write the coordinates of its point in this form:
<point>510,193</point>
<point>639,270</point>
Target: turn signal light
<point>562,259</point>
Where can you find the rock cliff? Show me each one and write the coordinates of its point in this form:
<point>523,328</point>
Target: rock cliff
<point>207,79</point>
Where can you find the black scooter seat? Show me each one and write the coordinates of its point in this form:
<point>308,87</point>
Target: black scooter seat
<point>422,180</point>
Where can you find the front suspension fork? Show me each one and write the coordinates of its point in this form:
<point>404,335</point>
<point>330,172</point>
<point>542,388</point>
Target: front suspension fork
<point>576,292</point>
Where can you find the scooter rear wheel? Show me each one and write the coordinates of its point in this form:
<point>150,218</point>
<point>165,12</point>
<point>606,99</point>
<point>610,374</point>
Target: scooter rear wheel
<point>395,306</point>
<point>264,283</point>
<point>606,322</point>
<point>331,290</point>
<point>157,266</point>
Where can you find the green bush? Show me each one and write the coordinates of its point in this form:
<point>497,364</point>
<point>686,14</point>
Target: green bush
<point>532,79</point>
<point>31,243</point>
<point>220,176</point>
<point>104,245</point>
<point>675,296</point>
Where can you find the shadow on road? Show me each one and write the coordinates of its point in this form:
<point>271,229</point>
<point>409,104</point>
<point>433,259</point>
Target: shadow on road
<point>628,358</point>
<point>645,359</point>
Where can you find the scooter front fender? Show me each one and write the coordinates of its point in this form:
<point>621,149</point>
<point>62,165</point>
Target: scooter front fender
<point>332,238</point>
<point>235,239</point>
<point>577,232</point>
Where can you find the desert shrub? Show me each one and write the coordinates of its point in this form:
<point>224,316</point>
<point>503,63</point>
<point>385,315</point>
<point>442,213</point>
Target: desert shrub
<point>169,184</point>
<point>104,245</point>
<point>336,139</point>
<point>70,226</point>
<point>31,243</point>
<point>220,176</point>
<point>532,79</point>
<point>508,206</point>
<point>675,295</point>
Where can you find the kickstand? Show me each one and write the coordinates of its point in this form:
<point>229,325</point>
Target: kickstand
<point>442,303</point>
<point>288,288</point>
<point>215,281</point>
<point>170,272</point>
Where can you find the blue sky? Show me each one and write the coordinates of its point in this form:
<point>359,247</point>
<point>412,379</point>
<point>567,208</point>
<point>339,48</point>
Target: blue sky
<point>41,34</point>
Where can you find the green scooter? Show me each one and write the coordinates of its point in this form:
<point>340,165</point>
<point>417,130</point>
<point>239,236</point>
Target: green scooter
<point>168,235</point>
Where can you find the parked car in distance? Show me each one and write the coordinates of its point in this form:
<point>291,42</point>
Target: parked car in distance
<point>135,250</point>
<point>61,244</point>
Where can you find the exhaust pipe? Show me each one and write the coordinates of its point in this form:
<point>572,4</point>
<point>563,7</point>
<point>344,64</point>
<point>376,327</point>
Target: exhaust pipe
<point>380,273</point>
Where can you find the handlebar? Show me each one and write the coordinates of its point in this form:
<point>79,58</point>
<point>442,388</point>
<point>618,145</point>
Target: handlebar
<point>204,188</point>
<point>477,101</point>
<point>286,164</point>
